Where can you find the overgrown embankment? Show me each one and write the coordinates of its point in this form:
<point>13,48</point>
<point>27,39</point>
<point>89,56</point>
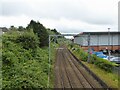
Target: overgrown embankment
<point>25,58</point>
<point>101,67</point>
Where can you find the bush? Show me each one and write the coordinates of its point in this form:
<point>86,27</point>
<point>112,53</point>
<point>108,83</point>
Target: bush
<point>25,65</point>
<point>104,64</point>
<point>28,40</point>
<point>82,55</point>
<point>40,31</point>
<point>101,63</point>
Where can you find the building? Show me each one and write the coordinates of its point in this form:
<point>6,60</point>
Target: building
<point>2,30</point>
<point>98,40</point>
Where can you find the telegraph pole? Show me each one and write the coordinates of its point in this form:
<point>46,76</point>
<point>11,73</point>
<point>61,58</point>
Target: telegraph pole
<point>49,63</point>
<point>88,48</point>
<point>109,43</point>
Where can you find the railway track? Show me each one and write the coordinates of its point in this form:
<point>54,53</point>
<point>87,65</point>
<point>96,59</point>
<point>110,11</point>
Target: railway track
<point>70,74</point>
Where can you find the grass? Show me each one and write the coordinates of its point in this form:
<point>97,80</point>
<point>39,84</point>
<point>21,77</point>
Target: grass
<point>111,79</point>
<point>52,63</point>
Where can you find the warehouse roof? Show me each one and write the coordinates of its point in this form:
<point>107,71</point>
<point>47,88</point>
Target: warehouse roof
<point>4,29</point>
<point>96,33</point>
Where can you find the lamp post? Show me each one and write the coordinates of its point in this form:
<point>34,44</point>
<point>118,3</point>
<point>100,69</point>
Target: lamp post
<point>109,43</point>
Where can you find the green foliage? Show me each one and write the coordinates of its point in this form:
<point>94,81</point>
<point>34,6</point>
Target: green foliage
<point>111,79</point>
<point>99,62</point>
<point>21,28</point>
<point>10,36</point>
<point>29,74</point>
<point>28,40</point>
<point>103,64</point>
<point>25,64</point>
<point>13,28</point>
<point>40,31</point>
<point>55,31</point>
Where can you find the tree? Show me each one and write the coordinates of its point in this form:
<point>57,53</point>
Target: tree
<point>13,28</point>
<point>40,31</point>
<point>21,28</point>
<point>55,31</point>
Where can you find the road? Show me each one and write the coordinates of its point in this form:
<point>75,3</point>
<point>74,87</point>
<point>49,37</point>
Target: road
<point>70,74</point>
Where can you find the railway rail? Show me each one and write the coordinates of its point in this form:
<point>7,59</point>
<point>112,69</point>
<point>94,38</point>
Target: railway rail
<point>70,74</point>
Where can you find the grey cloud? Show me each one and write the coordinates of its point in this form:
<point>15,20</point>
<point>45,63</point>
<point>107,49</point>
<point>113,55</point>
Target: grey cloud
<point>68,30</point>
<point>0,9</point>
<point>99,20</point>
<point>55,9</point>
<point>15,9</point>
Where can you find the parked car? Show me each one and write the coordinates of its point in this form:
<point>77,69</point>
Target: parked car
<point>101,55</point>
<point>117,51</point>
<point>115,59</point>
<point>111,57</point>
<point>105,51</point>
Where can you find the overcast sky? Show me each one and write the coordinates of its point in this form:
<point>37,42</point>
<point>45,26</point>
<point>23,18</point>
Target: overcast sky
<point>67,16</point>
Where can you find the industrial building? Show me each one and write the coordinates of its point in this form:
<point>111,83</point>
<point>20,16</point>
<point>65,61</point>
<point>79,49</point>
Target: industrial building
<point>2,30</point>
<point>98,40</point>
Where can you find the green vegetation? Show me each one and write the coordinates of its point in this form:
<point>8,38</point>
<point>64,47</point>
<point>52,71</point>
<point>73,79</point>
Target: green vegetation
<point>0,62</point>
<point>110,78</point>
<point>25,58</point>
<point>40,31</point>
<point>99,62</point>
<point>102,68</point>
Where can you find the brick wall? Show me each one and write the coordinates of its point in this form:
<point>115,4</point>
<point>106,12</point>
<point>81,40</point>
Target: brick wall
<point>97,48</point>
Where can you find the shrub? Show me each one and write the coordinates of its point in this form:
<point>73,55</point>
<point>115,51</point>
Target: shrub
<point>40,31</point>
<point>101,63</point>
<point>28,40</point>
<point>25,65</point>
<point>82,55</point>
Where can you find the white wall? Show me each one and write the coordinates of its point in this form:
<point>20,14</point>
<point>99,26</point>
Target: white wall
<point>97,40</point>
<point>1,32</point>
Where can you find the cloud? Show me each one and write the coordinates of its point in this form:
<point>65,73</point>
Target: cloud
<point>75,26</point>
<point>15,9</point>
<point>16,21</point>
<point>65,15</point>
